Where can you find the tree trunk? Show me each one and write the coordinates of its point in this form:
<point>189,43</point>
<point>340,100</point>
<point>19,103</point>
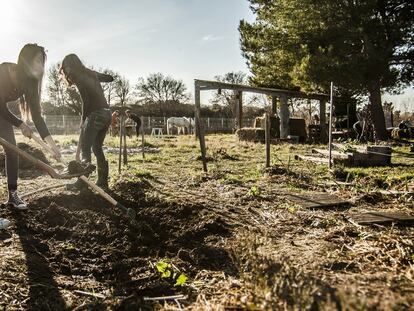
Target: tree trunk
<point>284,117</point>
<point>377,112</point>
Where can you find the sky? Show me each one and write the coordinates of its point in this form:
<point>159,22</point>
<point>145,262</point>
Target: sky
<point>187,39</point>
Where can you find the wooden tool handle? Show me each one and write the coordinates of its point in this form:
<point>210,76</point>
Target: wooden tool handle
<point>42,143</point>
<point>130,212</point>
<point>98,190</point>
<point>30,158</point>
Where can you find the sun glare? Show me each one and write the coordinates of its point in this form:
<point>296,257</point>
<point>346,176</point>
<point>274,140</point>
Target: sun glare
<point>7,16</point>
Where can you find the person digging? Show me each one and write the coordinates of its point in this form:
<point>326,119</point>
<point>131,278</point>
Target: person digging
<point>96,116</point>
<point>22,81</point>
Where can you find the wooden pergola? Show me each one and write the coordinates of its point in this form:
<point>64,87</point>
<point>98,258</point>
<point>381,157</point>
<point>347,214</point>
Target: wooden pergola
<point>277,95</point>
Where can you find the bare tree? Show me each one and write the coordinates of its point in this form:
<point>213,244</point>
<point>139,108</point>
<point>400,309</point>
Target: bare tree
<point>122,90</point>
<point>60,93</point>
<point>160,88</point>
<point>109,88</point>
<point>226,97</point>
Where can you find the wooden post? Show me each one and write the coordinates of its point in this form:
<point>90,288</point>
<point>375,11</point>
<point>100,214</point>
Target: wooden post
<point>125,146</point>
<point>284,117</point>
<point>330,127</point>
<point>142,137</point>
<point>240,109</point>
<point>120,143</point>
<point>267,139</point>
<point>322,119</point>
<point>274,105</point>
<point>199,127</point>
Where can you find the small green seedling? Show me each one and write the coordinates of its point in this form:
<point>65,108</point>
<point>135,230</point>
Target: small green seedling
<point>254,191</point>
<point>168,271</point>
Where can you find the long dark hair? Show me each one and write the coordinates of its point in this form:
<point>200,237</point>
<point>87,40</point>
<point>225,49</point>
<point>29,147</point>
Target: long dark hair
<point>77,69</point>
<point>30,86</point>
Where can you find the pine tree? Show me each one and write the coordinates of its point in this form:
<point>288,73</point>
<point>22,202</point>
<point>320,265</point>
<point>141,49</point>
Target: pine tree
<point>364,46</point>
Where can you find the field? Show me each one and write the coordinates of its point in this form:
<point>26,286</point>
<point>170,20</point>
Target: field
<point>231,237</point>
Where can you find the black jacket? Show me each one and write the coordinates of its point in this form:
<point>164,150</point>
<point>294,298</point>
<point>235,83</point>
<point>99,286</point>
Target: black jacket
<point>90,89</point>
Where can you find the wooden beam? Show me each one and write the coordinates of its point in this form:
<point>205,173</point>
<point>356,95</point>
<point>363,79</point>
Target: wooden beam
<point>199,127</point>
<point>284,117</point>
<point>205,85</point>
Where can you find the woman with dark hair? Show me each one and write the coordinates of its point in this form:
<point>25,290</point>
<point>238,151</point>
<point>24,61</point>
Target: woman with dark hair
<point>22,81</point>
<point>96,116</point>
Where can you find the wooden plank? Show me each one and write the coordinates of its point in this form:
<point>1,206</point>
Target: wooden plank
<point>383,218</point>
<point>316,160</point>
<point>205,85</point>
<point>337,154</point>
<point>317,200</point>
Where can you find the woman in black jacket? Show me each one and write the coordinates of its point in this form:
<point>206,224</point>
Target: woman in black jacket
<point>22,81</point>
<point>96,116</point>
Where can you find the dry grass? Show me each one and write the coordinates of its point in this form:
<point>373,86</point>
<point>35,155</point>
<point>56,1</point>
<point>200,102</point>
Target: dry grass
<point>286,257</point>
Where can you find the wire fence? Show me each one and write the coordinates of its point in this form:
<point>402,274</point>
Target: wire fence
<point>70,125</point>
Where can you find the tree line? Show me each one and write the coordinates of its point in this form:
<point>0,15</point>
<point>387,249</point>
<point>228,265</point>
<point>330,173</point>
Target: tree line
<point>365,47</point>
<point>155,89</point>
<point>155,95</point>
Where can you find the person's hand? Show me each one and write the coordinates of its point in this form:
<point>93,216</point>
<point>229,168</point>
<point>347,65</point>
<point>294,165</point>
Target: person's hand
<point>56,152</point>
<point>26,130</point>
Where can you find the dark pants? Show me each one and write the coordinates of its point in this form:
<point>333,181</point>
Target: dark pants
<point>93,135</point>
<point>12,158</point>
<point>137,124</point>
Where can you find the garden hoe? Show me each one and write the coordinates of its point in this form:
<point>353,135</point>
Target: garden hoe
<point>81,174</point>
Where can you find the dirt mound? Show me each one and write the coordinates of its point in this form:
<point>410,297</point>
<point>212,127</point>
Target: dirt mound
<point>74,167</point>
<point>23,163</point>
<point>81,238</point>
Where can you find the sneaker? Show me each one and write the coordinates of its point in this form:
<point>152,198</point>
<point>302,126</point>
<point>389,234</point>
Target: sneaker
<point>16,202</point>
<point>4,223</point>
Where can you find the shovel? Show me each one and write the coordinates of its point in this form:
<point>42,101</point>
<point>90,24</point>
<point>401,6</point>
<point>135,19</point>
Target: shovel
<point>50,170</point>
